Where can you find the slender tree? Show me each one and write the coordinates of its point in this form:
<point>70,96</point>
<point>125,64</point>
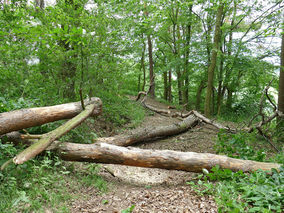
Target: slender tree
<point>213,60</point>
<point>280,125</point>
<point>151,62</point>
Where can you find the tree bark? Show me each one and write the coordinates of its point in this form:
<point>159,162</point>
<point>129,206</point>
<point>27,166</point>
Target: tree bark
<point>280,121</point>
<point>165,78</point>
<point>151,133</point>
<point>151,62</point>
<point>229,99</point>
<point>198,95</point>
<point>25,118</point>
<point>213,60</point>
<point>143,64</point>
<point>165,159</point>
<point>50,137</point>
<point>170,99</point>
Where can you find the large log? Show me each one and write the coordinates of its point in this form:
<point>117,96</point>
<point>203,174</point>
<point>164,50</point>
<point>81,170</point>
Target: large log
<point>165,159</point>
<point>151,133</point>
<point>136,136</point>
<point>48,138</point>
<point>25,118</point>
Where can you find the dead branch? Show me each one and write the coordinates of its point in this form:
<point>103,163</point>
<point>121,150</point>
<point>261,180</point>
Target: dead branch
<point>140,94</point>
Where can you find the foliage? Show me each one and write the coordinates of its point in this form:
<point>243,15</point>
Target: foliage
<point>239,192</point>
<point>129,209</point>
<point>238,146</point>
<point>42,183</point>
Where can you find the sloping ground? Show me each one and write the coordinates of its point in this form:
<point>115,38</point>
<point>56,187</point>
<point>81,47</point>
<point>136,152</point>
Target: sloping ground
<point>153,190</point>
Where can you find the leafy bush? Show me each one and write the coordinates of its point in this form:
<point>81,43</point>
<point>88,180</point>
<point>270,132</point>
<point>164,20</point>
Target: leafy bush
<point>239,192</point>
<point>119,109</point>
<point>237,146</point>
<point>11,104</point>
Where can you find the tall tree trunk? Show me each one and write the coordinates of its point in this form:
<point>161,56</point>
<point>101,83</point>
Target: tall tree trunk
<point>143,65</point>
<point>280,121</point>
<point>170,87</point>
<point>229,99</point>
<point>198,95</point>
<point>165,76</point>
<point>186,68</point>
<point>220,83</point>
<point>139,82</point>
<point>213,60</point>
<point>223,89</point>
<point>151,67</point>
<point>151,62</point>
<point>39,4</point>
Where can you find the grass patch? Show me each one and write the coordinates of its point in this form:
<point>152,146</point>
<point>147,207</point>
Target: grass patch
<point>42,183</point>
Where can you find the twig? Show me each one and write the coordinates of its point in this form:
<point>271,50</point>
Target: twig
<point>267,138</point>
<point>6,164</point>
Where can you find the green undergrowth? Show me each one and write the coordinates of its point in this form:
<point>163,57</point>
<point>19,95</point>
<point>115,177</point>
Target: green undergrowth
<point>240,192</point>
<point>44,183</point>
<point>258,191</point>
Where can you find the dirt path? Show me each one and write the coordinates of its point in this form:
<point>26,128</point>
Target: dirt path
<point>154,190</point>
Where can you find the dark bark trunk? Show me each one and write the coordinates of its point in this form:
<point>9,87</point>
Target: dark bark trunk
<point>220,81</point>
<point>280,121</point>
<point>39,4</point>
<point>139,83</point>
<point>186,64</point>
<point>165,76</point>
<point>143,65</point>
<point>179,86</point>
<point>229,99</point>
<point>151,68</point>
<point>198,95</point>
<point>170,87</point>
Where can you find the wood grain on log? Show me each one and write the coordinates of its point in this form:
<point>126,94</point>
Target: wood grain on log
<point>165,159</point>
<point>25,118</point>
<point>151,133</point>
<point>50,137</point>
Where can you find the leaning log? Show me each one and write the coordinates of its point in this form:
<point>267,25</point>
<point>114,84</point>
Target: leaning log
<point>151,133</point>
<point>164,159</point>
<point>136,136</point>
<point>48,138</point>
<point>25,118</point>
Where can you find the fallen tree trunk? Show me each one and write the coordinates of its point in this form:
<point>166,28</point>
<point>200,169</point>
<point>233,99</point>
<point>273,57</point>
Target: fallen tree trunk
<point>48,138</point>
<point>164,159</point>
<point>146,134</point>
<point>151,133</point>
<point>25,118</point>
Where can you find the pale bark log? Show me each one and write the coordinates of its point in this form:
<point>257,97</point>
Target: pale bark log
<point>50,137</point>
<point>151,133</point>
<point>136,136</point>
<point>165,159</point>
<point>25,118</point>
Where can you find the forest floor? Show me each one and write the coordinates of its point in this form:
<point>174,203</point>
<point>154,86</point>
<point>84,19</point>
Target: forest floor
<point>152,190</point>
